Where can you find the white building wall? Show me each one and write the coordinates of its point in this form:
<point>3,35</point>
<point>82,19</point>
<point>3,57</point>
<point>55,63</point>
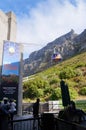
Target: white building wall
<point>3,32</point>
<point>12,26</point>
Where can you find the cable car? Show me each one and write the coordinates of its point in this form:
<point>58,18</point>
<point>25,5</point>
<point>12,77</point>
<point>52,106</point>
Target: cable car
<point>56,56</point>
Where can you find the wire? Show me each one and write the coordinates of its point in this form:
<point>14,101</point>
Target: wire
<point>32,44</point>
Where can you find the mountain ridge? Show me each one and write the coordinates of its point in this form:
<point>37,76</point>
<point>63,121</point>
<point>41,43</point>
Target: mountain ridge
<point>67,45</point>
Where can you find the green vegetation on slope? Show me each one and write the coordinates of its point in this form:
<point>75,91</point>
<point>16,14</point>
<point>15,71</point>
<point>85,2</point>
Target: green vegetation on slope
<point>46,84</point>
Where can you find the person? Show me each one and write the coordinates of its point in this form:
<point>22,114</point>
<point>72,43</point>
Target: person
<point>4,101</point>
<point>12,109</point>
<point>71,113</point>
<point>68,113</point>
<point>36,108</point>
<point>4,113</point>
<point>78,114</point>
<point>36,112</point>
<point>5,106</point>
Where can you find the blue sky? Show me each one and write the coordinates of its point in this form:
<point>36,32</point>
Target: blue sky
<point>23,6</point>
<point>42,21</point>
<point>18,6</point>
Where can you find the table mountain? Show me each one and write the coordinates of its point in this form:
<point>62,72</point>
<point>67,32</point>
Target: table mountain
<point>67,45</point>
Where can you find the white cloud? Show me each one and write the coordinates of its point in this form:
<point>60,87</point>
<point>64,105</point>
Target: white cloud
<point>49,20</point>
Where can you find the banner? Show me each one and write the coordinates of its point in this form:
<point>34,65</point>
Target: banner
<point>10,71</point>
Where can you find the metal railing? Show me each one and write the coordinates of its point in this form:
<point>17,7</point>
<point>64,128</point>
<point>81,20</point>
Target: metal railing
<point>25,124</point>
<point>45,122</point>
<point>65,125</point>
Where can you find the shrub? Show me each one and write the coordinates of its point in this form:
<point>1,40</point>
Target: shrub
<point>56,94</point>
<point>34,88</point>
<point>80,64</point>
<point>82,91</point>
<point>73,93</point>
<point>31,92</point>
<point>53,81</point>
<point>48,90</point>
<point>40,93</point>
<point>78,72</point>
<point>41,83</point>
<point>25,85</point>
<point>67,73</point>
<point>71,83</point>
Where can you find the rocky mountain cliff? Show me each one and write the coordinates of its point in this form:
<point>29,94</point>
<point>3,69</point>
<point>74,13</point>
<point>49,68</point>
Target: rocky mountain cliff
<point>67,45</point>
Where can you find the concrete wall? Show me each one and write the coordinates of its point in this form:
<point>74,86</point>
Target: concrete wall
<point>12,27</point>
<point>3,31</point>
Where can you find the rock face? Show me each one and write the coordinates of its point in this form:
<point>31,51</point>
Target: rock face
<point>67,45</point>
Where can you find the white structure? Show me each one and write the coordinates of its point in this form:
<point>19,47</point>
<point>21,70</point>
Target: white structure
<point>8,29</point>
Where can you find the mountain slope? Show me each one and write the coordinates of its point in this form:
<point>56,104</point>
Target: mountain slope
<point>73,71</point>
<point>67,45</point>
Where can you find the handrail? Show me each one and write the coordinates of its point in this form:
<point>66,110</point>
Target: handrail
<point>60,124</point>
